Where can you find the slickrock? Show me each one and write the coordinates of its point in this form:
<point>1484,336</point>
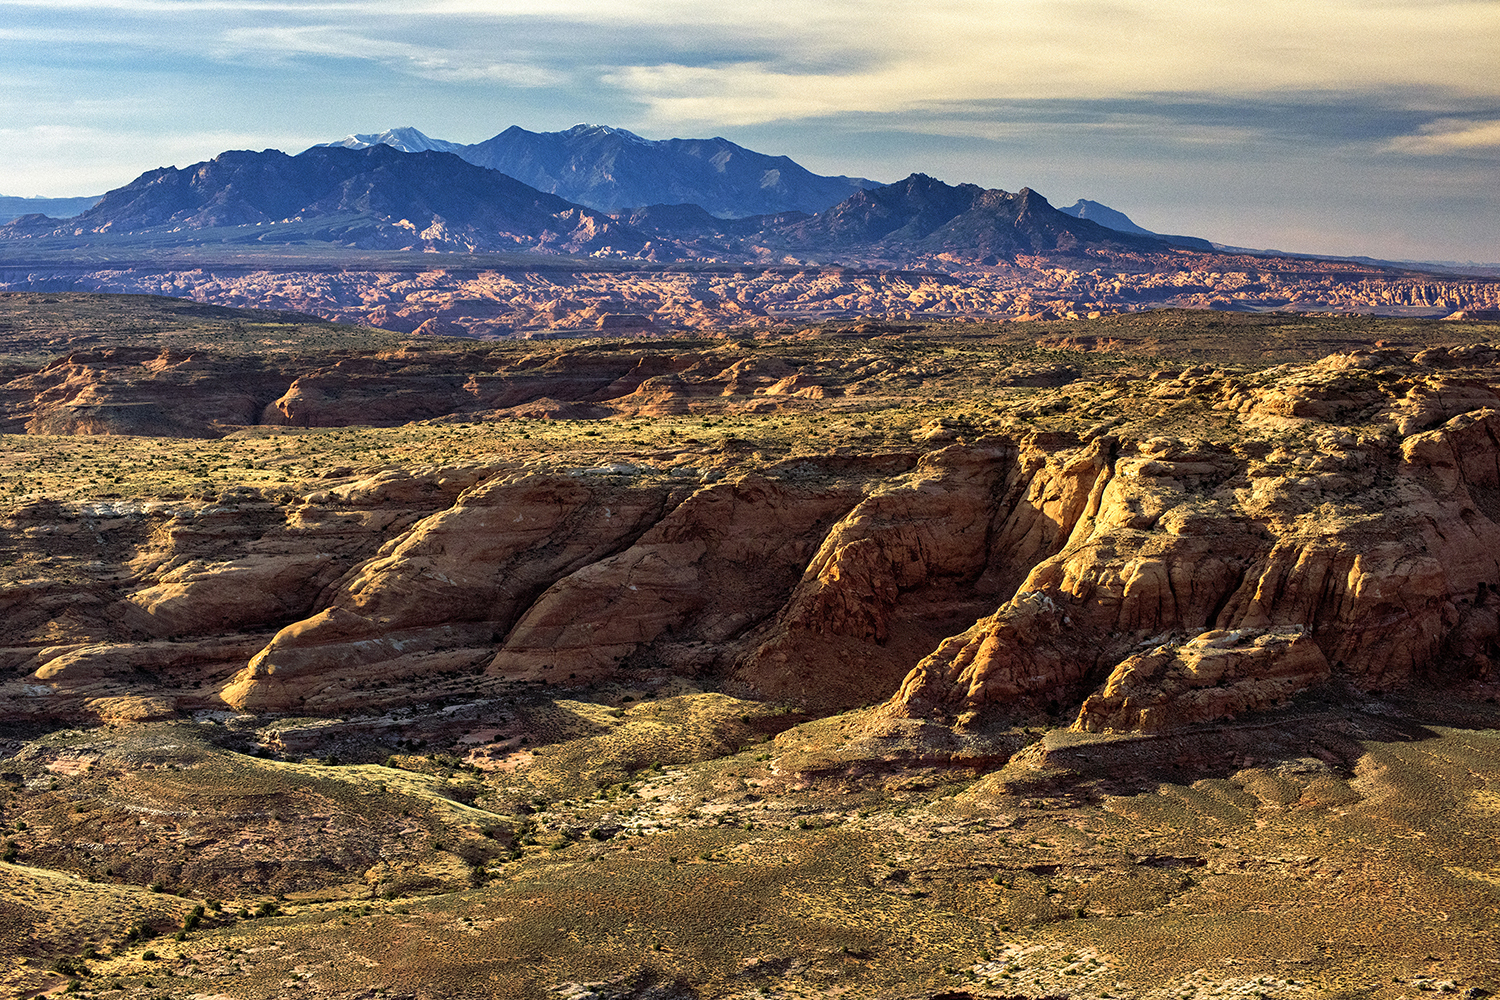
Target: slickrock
<point>201,597</point>
<point>708,572</point>
<point>444,592</point>
<point>1345,528</point>
<point>123,681</point>
<point>1382,580</point>
<point>1215,675</point>
<point>309,664</point>
<point>889,580</point>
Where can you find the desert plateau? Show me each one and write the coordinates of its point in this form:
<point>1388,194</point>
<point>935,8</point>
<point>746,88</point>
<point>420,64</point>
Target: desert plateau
<point>562,631</point>
<point>594,563</point>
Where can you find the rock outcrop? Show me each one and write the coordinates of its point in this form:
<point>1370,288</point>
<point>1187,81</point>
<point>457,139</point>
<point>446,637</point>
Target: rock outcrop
<point>1347,531</point>
<point>1386,582</point>
<point>445,592</point>
<point>1215,675</point>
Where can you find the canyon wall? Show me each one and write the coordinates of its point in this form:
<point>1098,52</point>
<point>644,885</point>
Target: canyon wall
<point>1347,532</point>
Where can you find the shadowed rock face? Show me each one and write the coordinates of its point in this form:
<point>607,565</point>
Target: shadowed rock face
<point>1135,584</point>
<point>375,197</point>
<point>611,169</point>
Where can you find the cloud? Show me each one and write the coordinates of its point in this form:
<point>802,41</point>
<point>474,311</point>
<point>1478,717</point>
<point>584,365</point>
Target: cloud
<point>1298,102</point>
<point>766,60</point>
<point>953,50</point>
<point>432,62</point>
<point>1450,136</point>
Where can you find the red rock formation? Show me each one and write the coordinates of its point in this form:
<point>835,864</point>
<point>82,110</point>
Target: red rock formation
<point>1004,577</point>
<point>1389,583</point>
<point>707,573</point>
<point>447,590</point>
<point>1215,675</point>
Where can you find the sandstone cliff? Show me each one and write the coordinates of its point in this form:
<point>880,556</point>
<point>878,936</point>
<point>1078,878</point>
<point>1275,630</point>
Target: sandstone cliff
<point>1333,522</point>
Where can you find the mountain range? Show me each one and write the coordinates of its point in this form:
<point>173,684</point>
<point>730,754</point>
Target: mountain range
<point>610,169</point>
<point>12,207</point>
<point>378,197</point>
<point>375,198</point>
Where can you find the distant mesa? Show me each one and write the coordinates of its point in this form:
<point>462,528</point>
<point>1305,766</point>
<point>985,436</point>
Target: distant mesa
<point>1110,218</point>
<point>12,208</point>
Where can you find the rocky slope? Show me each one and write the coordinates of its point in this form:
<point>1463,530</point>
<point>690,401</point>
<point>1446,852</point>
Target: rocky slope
<point>371,198</point>
<point>879,660</point>
<point>1336,523</point>
<point>610,169</point>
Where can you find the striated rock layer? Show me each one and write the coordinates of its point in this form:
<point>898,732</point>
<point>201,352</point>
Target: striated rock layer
<point>1340,525</point>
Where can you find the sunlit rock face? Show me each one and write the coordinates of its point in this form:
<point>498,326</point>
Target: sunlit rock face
<point>1344,534</point>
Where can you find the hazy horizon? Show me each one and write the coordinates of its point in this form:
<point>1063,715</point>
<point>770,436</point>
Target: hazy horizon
<point>1345,129</point>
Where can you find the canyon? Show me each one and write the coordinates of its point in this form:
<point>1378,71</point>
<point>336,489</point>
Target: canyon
<point>929,659</point>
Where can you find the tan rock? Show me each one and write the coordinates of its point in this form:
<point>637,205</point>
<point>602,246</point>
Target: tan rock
<point>891,578</point>
<point>717,565</point>
<point>336,656</point>
<point>444,593</point>
<point>82,666</point>
<point>1215,675</point>
<point>1027,653</point>
<point>1388,591</point>
<point>200,597</point>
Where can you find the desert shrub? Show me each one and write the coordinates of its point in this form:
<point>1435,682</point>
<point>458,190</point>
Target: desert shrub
<point>68,965</point>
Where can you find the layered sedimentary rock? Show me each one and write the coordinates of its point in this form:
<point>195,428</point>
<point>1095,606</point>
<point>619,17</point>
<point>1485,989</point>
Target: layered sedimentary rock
<point>1215,675</point>
<point>1383,560</point>
<point>1337,522</point>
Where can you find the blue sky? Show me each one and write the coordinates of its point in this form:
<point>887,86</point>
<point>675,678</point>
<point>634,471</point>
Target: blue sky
<point>1345,126</point>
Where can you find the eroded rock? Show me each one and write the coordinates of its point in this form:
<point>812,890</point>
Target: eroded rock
<point>1214,675</point>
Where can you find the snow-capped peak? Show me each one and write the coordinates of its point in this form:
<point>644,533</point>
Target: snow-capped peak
<point>406,139</point>
<point>583,128</point>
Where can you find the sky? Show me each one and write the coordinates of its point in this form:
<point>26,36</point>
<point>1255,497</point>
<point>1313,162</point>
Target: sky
<point>1341,126</point>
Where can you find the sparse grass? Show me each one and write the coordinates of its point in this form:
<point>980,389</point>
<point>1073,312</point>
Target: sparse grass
<point>673,832</point>
<point>1217,885</point>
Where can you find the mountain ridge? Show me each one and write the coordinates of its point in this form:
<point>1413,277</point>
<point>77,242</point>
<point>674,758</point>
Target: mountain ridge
<point>611,169</point>
<point>380,198</point>
<point>376,197</point>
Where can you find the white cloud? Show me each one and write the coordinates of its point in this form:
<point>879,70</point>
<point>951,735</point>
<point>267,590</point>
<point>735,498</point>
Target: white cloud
<point>957,50</point>
<point>426,61</point>
<point>1448,136</point>
<point>764,60</point>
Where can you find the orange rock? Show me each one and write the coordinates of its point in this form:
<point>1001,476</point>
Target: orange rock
<point>717,565</point>
<point>1215,675</point>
